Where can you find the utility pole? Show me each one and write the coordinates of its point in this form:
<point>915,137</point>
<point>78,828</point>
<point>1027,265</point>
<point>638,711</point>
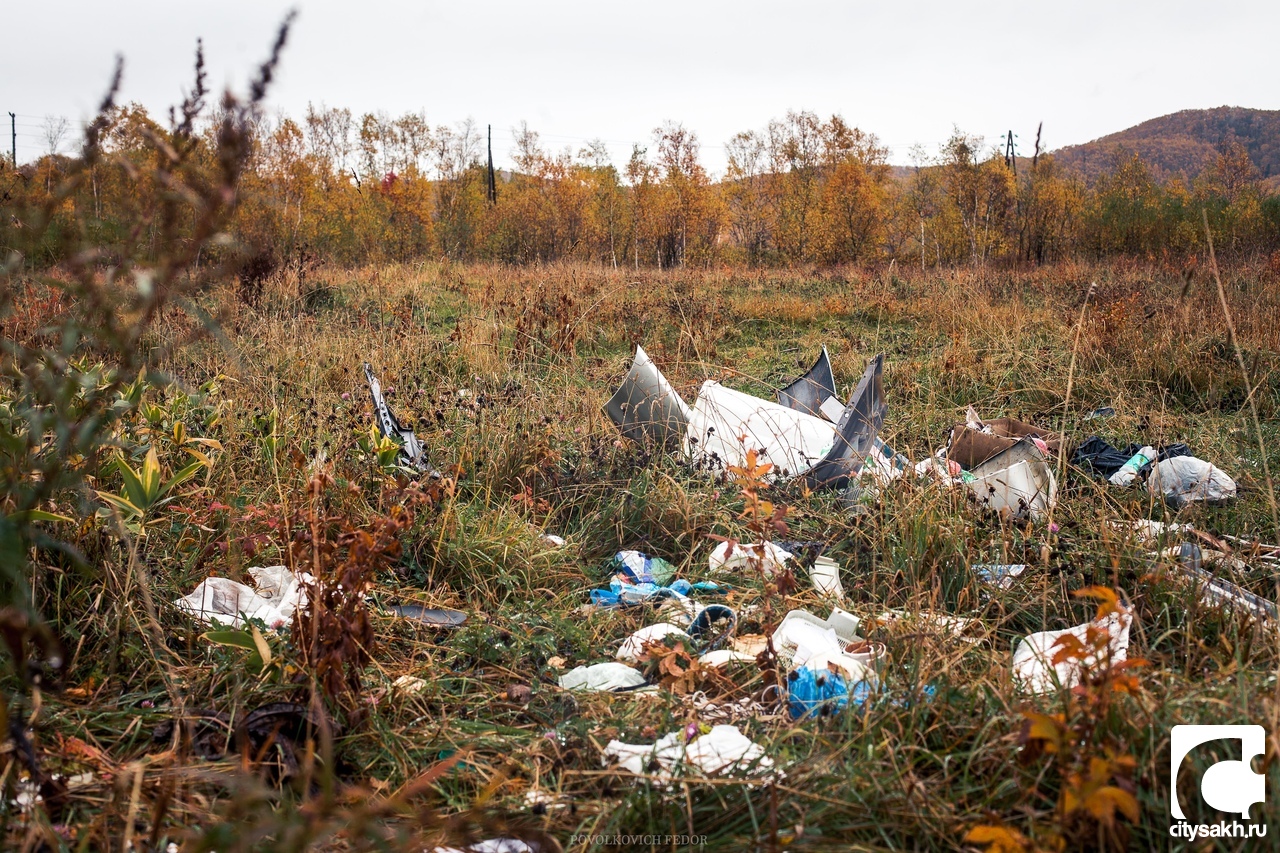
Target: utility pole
<point>1010,155</point>
<point>493,183</point>
<point>13,138</point>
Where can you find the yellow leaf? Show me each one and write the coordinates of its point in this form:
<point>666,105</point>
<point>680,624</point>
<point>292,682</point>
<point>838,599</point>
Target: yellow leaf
<point>264,650</point>
<point>999,839</point>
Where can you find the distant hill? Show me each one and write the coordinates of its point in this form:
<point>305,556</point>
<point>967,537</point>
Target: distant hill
<point>1185,142</point>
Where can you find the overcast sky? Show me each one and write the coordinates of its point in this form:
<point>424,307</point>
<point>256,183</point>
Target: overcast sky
<point>907,72</point>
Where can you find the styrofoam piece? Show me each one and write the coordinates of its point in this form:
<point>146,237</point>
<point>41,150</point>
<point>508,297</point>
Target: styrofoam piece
<point>610,676</point>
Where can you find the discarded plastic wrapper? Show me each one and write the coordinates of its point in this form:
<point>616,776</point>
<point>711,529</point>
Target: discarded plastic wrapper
<point>1033,667</point>
<point>638,567</point>
<point>623,593</point>
<point>811,391</point>
<point>1017,480</point>
<point>815,693</point>
<point>646,405</point>
<point>412,452</point>
<point>612,677</point>
<point>1186,479</point>
<point>722,750</point>
<point>222,600</point>
<point>1001,576</point>
<point>769,557</point>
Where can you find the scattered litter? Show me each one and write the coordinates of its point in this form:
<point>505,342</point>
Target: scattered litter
<point>634,649</point>
<point>1149,532</point>
<point>959,627</point>
<point>412,452</point>
<point>1186,479</point>
<point>1216,591</point>
<point>999,575</point>
<point>611,677</point>
<point>1099,459</point>
<point>825,575</point>
<point>1099,414</point>
<point>223,601</point>
<point>721,750</point>
<point>1033,667</point>
<point>737,556</point>
<point>746,708</point>
<point>435,617</point>
<point>552,541</point>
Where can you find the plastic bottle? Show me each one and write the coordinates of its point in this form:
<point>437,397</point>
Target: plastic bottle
<point>1129,471</point>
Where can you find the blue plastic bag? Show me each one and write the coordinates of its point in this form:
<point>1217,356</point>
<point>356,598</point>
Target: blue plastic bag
<point>815,693</point>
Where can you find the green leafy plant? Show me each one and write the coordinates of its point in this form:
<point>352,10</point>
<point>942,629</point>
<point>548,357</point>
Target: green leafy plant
<point>145,490</point>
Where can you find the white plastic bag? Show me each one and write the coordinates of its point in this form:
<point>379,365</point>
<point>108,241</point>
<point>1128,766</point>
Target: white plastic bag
<point>1033,667</point>
<point>1183,479</point>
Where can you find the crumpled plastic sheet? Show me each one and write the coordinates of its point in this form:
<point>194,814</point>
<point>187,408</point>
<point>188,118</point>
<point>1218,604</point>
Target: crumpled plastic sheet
<point>610,676</point>
<point>633,647</point>
<point>221,601</point>
<point>1033,667</point>
<point>723,750</point>
<point>769,557</point>
<point>1186,479</point>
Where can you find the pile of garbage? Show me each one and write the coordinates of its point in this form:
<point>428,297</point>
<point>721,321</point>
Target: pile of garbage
<point>821,666</point>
